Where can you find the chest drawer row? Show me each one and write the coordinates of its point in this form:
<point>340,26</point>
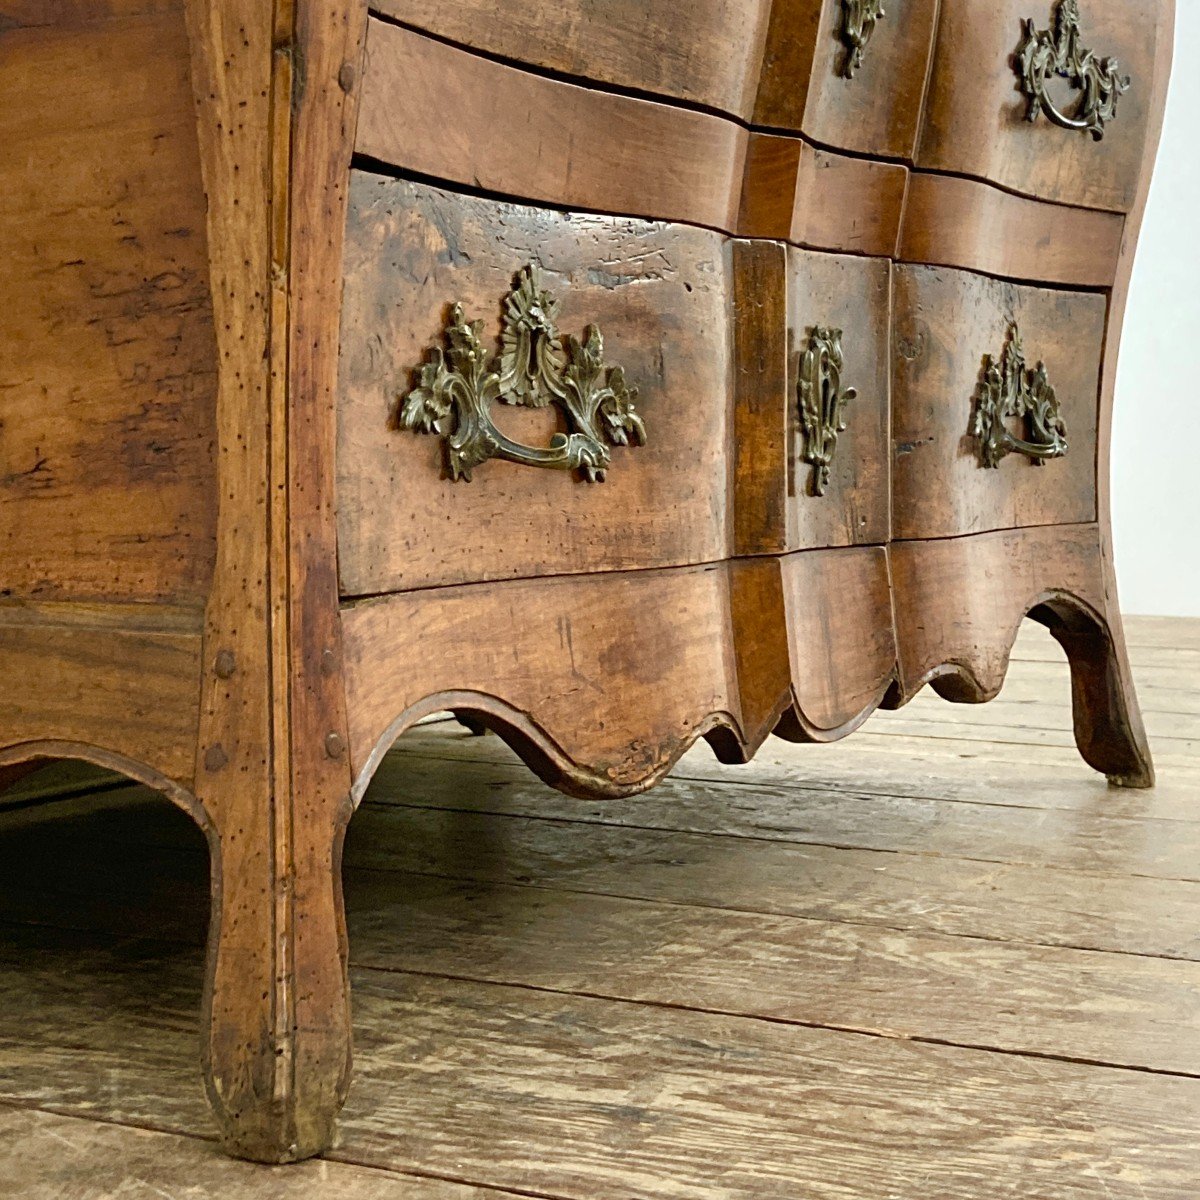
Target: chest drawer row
<point>1048,98</point>
<point>526,392</point>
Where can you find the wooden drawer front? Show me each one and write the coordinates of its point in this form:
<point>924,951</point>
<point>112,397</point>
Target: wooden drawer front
<point>798,311</point>
<point>711,57</point>
<point>443,112</point>
<point>976,119</point>
<point>806,85</point>
<point>946,324</point>
<point>659,295</point>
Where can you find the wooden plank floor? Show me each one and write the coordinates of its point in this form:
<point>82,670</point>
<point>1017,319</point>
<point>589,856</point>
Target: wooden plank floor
<point>939,961</point>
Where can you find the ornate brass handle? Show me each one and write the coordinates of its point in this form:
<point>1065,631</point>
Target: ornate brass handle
<point>1009,390</point>
<point>858,23</point>
<point>822,402</point>
<point>1047,53</point>
<point>536,368</point>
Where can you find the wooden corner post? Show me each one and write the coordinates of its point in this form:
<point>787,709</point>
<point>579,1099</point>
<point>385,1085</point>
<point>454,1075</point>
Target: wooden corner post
<point>273,107</point>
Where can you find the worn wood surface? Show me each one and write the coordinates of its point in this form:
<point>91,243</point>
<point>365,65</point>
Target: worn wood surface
<point>803,88</point>
<point>716,979</point>
<point>576,148</point>
<point>945,323</point>
<point>959,602</point>
<point>711,59</point>
<point>107,354</point>
<point>795,192</point>
<point>176,191</point>
<point>964,223</point>
<point>975,115</point>
<point>658,293</point>
<point>131,672</point>
<point>781,296</point>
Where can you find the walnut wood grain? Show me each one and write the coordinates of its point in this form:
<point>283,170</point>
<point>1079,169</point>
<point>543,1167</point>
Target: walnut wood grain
<point>802,87</point>
<point>794,192</point>
<point>963,223</point>
<point>125,685</point>
<point>575,147</point>
<point>780,296</point>
<point>719,651</point>
<point>657,292</point>
<point>712,58</point>
<point>946,321</point>
<point>108,360</point>
<point>959,602</point>
<point>975,116</point>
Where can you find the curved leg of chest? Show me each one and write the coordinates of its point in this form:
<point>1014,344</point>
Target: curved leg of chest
<point>960,601</point>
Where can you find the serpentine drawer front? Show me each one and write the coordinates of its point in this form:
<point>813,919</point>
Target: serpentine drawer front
<point>608,378</point>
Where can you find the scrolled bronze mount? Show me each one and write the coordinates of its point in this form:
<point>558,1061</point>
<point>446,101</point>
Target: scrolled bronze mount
<point>536,368</point>
<point>1056,52</point>
<point>858,24</point>
<point>822,402</point>
<point>1010,390</point>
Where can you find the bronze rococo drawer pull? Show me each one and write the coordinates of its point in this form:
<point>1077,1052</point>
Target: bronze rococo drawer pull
<point>536,368</point>
<point>1010,390</point>
<point>858,23</point>
<point>822,402</point>
<point>1047,53</point>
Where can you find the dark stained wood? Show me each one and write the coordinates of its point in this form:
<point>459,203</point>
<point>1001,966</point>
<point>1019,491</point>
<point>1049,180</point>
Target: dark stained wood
<point>431,108</point>
<point>945,323</point>
<point>711,58</point>
<point>659,295</point>
<point>797,193</point>
<point>328,37</point>
<point>786,613</point>
<point>962,223</point>
<point>975,116</point>
<point>665,635</point>
<point>842,650</point>
<point>107,373</point>
<point>802,87</point>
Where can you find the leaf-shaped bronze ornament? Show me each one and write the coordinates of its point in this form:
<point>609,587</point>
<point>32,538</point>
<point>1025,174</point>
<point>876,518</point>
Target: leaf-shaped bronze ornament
<point>858,24</point>
<point>457,388</point>
<point>1058,52</point>
<point>1011,391</point>
<point>822,402</point>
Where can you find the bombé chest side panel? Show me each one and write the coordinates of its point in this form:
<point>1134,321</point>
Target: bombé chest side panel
<point>107,353</point>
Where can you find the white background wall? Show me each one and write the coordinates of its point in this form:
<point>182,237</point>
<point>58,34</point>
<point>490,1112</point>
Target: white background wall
<point>1156,428</point>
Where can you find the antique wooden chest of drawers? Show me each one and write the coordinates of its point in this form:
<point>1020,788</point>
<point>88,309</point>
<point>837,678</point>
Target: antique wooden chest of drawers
<point>610,372</point>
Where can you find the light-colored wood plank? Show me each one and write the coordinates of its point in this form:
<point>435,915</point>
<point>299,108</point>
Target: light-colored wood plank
<point>592,1100</point>
<point>44,1156</point>
<point>151,875</point>
<point>899,889</point>
<point>1075,839</point>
